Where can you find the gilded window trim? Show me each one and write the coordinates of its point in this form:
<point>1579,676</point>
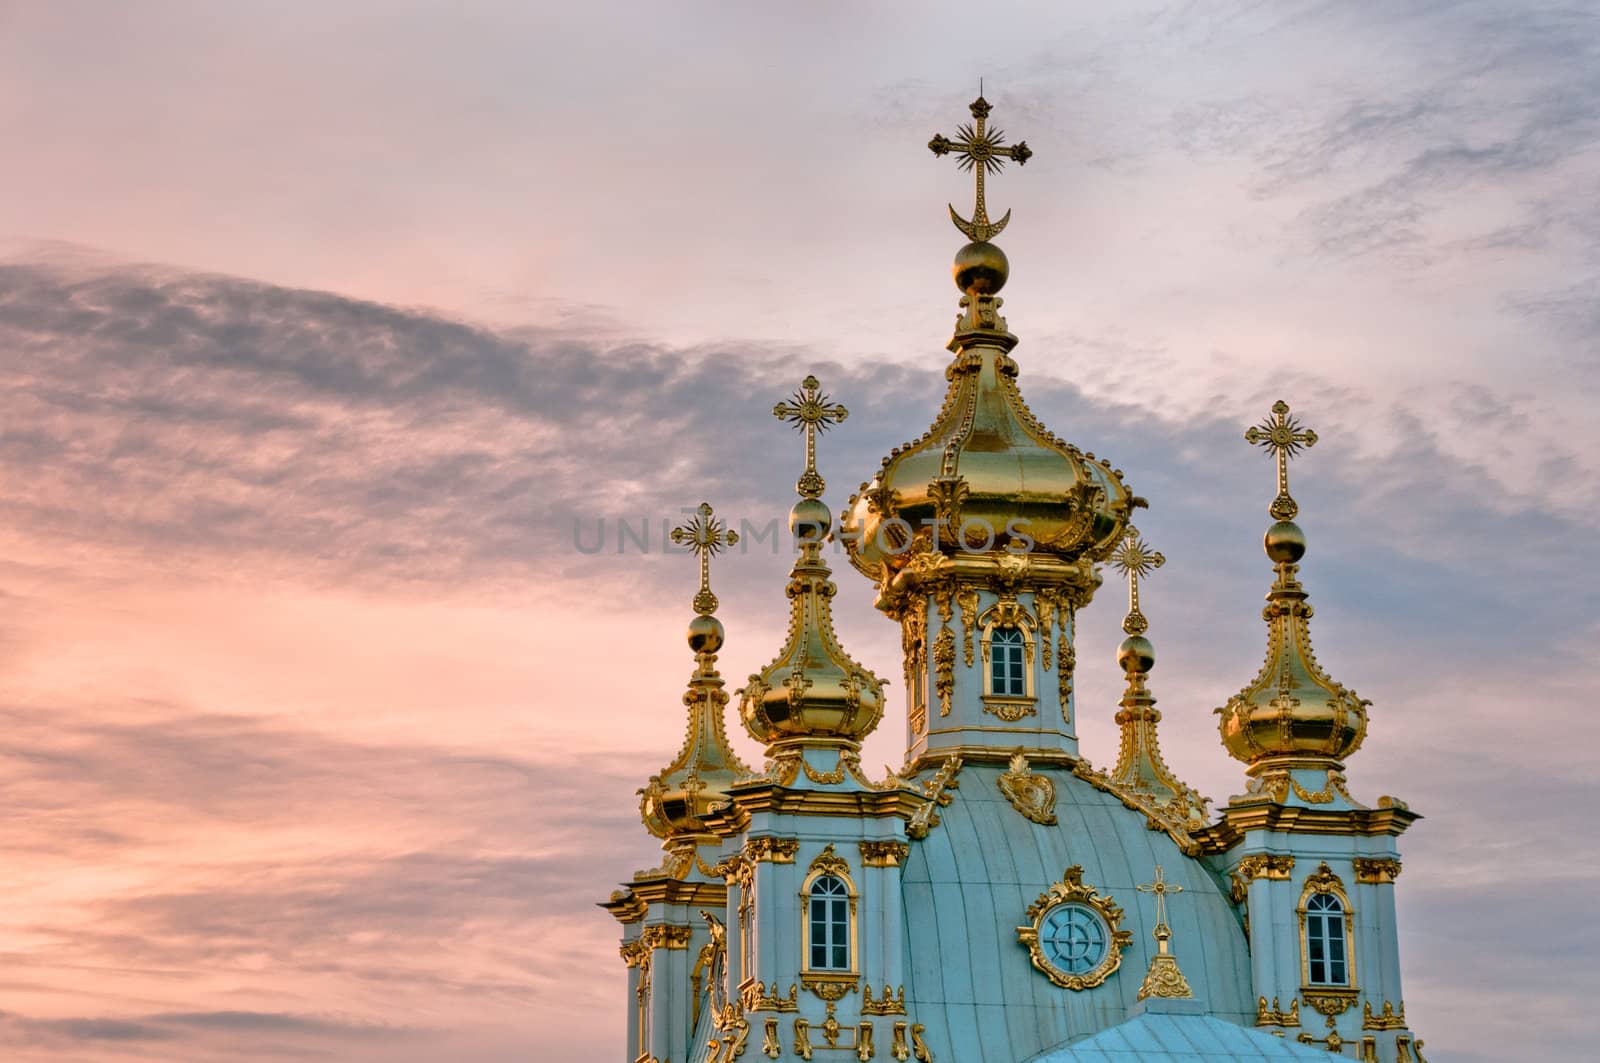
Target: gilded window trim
<point>1325,881</point>
<point>1071,890</point>
<point>1007,613</point>
<point>828,862</point>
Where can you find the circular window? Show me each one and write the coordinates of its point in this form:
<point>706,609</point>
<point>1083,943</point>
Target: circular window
<point>1074,938</point>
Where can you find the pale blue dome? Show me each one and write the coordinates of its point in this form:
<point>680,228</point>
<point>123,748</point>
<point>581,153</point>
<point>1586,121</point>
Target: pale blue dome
<point>967,886</point>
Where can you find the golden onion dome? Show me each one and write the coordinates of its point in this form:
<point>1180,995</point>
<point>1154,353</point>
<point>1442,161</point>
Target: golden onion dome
<point>812,689</point>
<point>987,477</point>
<point>1293,712</point>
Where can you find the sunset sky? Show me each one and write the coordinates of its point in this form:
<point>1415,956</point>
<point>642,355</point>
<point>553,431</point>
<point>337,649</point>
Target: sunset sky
<point>328,331</point>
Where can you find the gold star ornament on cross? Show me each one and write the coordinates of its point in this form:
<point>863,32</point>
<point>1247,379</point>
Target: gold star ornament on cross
<point>706,536</point>
<point>1134,559</point>
<point>810,411</point>
<point>1283,434</point>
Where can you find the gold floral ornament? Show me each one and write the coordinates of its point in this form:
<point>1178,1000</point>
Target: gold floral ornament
<point>1164,979</point>
<point>813,696</point>
<point>675,802</point>
<point>810,412</point>
<point>980,151</point>
<point>1140,765</point>
<point>1031,794</point>
<point>1282,434</point>
<point>1293,714</point>
<point>1073,938</point>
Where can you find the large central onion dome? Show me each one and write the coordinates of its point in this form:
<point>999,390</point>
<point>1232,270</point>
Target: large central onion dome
<point>987,477</point>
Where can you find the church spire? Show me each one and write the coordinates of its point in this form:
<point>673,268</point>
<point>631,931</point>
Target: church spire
<point>1293,715</point>
<point>674,803</point>
<point>812,696</point>
<point>1140,765</point>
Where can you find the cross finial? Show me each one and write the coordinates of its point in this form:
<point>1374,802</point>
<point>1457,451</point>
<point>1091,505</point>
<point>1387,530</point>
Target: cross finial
<point>1134,559</point>
<point>706,536</point>
<point>982,151</point>
<point>1283,434</point>
<point>810,412</point>
<point>1160,887</point>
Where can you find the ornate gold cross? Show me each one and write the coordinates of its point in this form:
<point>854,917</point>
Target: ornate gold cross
<point>1135,559</point>
<point>810,412</point>
<point>983,151</point>
<point>1160,887</point>
<point>706,536</point>
<point>1283,434</point>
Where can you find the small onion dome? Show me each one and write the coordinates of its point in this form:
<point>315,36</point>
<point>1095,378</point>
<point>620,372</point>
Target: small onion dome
<point>676,801</point>
<point>812,690</point>
<point>1292,710</point>
<point>986,478</point>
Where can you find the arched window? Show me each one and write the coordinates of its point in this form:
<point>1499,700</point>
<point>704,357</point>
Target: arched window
<point>829,919</point>
<point>1006,676</point>
<point>1326,962</point>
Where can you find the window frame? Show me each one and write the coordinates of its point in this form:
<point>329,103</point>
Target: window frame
<point>1014,652</point>
<point>1325,883</point>
<point>829,865</point>
<point>1004,616</point>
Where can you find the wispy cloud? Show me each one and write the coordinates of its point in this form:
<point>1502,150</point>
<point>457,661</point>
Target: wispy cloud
<point>218,868</point>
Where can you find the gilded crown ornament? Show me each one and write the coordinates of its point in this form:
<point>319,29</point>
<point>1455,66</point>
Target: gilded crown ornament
<point>1140,765</point>
<point>1293,714</point>
<point>812,694</point>
<point>675,802</point>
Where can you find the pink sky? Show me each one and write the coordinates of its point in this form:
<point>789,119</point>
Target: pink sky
<point>320,329</point>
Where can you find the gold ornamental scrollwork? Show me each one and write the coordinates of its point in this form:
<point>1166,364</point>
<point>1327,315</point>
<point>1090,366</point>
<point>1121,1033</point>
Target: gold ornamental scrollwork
<point>944,667</point>
<point>1388,1019</point>
<point>824,778</point>
<point>1272,866</point>
<point>755,996</point>
<point>829,863</point>
<point>1374,871</point>
<point>1068,656</point>
<point>884,854</point>
<point>1329,1003</point>
<point>771,1047</point>
<point>664,937</point>
<point>1275,1016</point>
<point>1333,1042</point>
<point>1009,709</point>
<point>967,601</point>
<point>888,1004</point>
<point>936,790</point>
<point>773,850</point>
<point>1031,794</point>
<point>1071,890</point>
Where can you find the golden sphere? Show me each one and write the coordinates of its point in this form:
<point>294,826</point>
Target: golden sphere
<point>809,521</point>
<point>705,634</point>
<point>1136,654</point>
<point>981,269</point>
<point>1285,543</point>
